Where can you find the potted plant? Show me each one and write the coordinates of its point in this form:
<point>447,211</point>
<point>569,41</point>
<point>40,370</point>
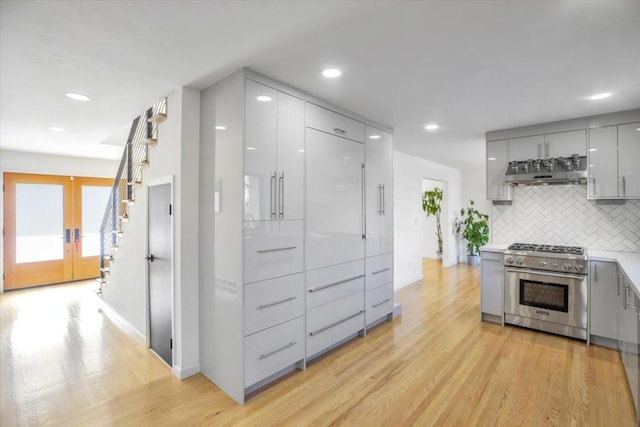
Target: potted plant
<point>431,205</point>
<point>473,226</point>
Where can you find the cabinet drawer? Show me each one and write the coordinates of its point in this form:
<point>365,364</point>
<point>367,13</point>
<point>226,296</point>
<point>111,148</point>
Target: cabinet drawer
<point>331,283</point>
<point>379,302</point>
<point>333,322</point>
<point>271,302</point>
<point>328,121</point>
<point>492,256</point>
<point>272,249</point>
<point>272,350</point>
<point>379,270</point>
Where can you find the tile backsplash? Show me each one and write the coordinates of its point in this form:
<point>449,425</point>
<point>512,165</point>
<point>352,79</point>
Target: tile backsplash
<point>562,215</point>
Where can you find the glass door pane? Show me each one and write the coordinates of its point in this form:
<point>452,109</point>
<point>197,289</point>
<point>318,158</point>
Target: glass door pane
<point>39,222</point>
<point>94,203</point>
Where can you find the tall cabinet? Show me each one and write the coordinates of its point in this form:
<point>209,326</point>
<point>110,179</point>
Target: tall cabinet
<point>296,244</point>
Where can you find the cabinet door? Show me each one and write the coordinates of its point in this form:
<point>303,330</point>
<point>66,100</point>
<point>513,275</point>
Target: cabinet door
<point>604,299</point>
<point>566,144</point>
<point>526,147</point>
<point>290,164</point>
<point>491,283</point>
<point>334,180</point>
<point>603,162</point>
<point>497,162</point>
<point>260,152</point>
<point>629,160</point>
<point>630,355</point>
<point>379,203</point>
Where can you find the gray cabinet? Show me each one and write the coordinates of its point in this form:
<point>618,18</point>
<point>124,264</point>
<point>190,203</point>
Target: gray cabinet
<point>629,160</point>
<point>628,319</point>
<point>491,286</point>
<point>603,279</point>
<point>497,161</point>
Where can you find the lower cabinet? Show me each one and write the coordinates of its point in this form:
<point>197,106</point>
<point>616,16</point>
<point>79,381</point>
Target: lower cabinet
<point>603,280</point>
<point>492,286</point>
<point>628,330</point>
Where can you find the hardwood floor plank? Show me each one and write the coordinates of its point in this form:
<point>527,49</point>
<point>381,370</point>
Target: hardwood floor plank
<point>435,365</point>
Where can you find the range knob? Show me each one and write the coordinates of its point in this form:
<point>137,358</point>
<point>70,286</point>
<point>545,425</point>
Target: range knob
<point>567,266</point>
<point>519,261</point>
<point>579,267</point>
<point>542,263</point>
<point>509,260</point>
<point>555,265</point>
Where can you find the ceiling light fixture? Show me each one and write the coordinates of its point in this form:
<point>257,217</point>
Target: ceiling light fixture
<point>600,96</point>
<point>264,98</point>
<point>219,127</point>
<point>431,126</point>
<point>77,96</point>
<point>374,137</point>
<point>56,128</point>
<point>331,73</point>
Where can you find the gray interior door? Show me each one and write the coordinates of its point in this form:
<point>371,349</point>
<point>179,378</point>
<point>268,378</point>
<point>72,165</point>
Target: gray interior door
<point>159,262</point>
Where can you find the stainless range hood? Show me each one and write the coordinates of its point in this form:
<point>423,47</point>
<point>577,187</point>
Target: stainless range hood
<point>562,170</point>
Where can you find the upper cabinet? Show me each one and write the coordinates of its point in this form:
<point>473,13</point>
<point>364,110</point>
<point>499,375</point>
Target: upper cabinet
<point>551,145</point>
<point>274,154</point>
<point>614,169</point>
<point>629,159</point>
<point>379,191</point>
<point>497,163</point>
<point>565,144</point>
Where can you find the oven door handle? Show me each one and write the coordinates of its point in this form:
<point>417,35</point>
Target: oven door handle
<point>545,273</point>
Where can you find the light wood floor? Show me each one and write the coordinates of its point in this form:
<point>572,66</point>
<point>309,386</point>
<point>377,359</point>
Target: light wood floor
<point>66,363</point>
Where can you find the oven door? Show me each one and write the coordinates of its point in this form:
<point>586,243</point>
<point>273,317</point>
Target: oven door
<point>548,296</point>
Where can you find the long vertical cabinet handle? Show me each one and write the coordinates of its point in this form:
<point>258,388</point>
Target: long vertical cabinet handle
<point>364,208</point>
<point>281,195</point>
<point>595,272</point>
<point>624,186</point>
<point>594,186</point>
<point>384,208</point>
<point>273,199</point>
<point>379,199</point>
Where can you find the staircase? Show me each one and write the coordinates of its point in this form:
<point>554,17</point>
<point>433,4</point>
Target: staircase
<point>142,136</point>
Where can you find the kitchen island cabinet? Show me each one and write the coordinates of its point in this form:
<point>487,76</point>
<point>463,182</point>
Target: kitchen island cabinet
<point>603,301</point>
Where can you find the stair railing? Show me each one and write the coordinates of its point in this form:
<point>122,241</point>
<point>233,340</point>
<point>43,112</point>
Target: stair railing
<point>135,157</point>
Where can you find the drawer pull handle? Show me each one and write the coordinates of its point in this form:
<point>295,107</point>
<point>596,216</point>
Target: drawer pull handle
<point>264,251</point>
<point>340,131</point>
<point>381,271</point>
<point>339,282</point>
<point>271,304</point>
<point>380,303</point>
<point>277,350</point>
<point>317,331</point>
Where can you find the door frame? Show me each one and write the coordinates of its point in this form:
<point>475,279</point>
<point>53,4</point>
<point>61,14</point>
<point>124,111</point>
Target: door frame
<point>152,183</point>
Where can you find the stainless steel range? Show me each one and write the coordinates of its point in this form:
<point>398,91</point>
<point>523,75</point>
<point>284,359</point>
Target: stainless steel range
<point>546,288</point>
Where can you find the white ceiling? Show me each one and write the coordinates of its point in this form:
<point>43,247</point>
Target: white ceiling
<point>470,66</point>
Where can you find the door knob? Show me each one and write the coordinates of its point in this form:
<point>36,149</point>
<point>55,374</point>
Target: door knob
<point>150,258</point>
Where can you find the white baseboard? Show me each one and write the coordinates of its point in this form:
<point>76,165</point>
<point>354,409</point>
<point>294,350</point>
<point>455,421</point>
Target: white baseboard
<point>121,321</point>
<point>183,373</point>
<point>407,283</point>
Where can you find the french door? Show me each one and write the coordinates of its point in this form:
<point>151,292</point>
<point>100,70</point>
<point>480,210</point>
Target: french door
<point>51,228</point>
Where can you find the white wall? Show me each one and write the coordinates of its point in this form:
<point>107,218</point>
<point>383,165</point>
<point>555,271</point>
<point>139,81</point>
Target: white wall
<point>175,156</point>
<point>429,239</point>
<point>48,164</point>
<point>408,214</point>
<point>474,187</point>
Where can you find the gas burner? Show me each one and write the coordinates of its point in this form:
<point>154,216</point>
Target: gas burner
<point>570,250</point>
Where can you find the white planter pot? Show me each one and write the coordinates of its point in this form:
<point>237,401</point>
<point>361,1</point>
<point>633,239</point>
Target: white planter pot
<point>473,260</point>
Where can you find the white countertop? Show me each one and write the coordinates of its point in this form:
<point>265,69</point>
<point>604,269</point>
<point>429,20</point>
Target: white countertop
<point>629,262</point>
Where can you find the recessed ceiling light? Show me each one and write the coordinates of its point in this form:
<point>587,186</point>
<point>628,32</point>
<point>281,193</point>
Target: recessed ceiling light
<point>251,148</point>
<point>56,128</point>
<point>331,73</point>
<point>491,158</point>
<point>600,96</point>
<point>264,98</point>
<point>593,149</point>
<point>374,136</point>
<point>431,126</point>
<point>77,96</point>
<point>221,127</point>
